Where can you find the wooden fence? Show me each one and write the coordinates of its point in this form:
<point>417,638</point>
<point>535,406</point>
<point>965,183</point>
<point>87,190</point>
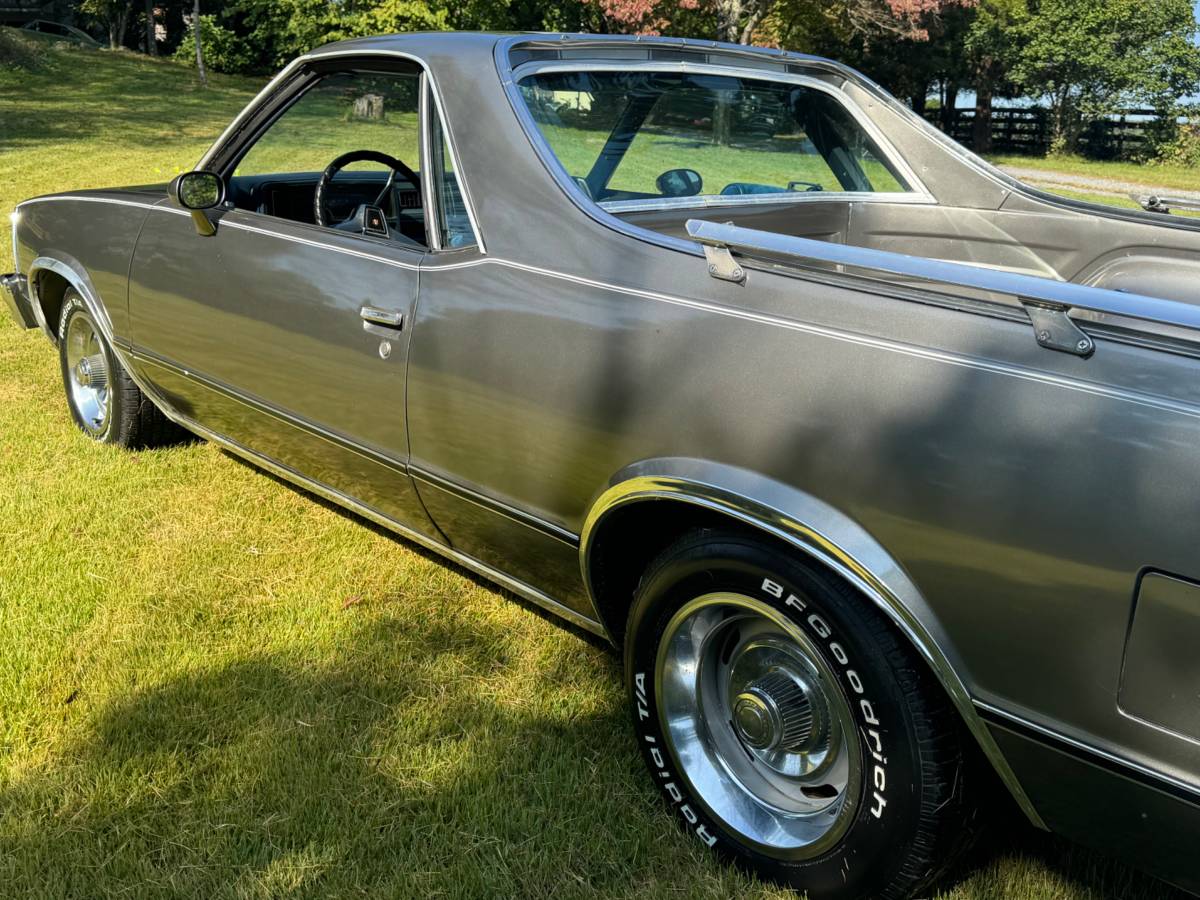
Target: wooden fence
<point>1028,130</point>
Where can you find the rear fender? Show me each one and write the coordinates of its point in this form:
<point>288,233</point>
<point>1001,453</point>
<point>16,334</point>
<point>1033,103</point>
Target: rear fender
<point>824,534</point>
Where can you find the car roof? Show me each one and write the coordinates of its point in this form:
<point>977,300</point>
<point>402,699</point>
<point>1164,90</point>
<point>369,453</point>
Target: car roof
<point>420,43</point>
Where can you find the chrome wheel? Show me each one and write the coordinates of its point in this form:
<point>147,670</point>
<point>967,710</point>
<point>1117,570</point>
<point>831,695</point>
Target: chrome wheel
<point>87,371</point>
<point>757,723</point>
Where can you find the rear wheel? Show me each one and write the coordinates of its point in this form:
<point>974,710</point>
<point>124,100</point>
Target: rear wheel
<point>787,725</point>
<point>104,401</point>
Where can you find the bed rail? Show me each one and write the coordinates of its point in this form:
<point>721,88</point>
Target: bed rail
<point>1047,302</point>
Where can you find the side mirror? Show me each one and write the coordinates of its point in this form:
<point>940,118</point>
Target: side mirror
<point>679,183</point>
<point>198,192</point>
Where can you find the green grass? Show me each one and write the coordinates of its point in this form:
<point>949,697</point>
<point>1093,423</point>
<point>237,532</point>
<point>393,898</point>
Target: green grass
<point>1165,176</point>
<point>213,685</point>
<point>97,119</point>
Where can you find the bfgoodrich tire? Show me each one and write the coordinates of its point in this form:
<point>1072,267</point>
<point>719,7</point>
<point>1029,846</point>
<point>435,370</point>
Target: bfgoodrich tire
<point>104,401</point>
<point>789,728</point>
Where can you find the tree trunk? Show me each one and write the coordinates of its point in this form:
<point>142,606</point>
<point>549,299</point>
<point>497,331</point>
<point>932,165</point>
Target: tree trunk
<point>369,106</point>
<point>723,118</point>
<point>1066,135</point>
<point>919,101</point>
<point>726,30</point>
<point>199,49</point>
<point>949,110</point>
<point>981,130</point>
<point>151,38</point>
<point>123,24</point>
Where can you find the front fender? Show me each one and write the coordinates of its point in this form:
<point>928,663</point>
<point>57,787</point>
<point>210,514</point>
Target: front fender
<point>74,274</point>
<point>827,536</point>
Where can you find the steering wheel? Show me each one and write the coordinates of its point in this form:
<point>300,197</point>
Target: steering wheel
<point>344,160</point>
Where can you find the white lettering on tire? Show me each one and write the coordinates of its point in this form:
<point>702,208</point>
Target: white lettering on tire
<point>874,741</point>
<point>657,757</point>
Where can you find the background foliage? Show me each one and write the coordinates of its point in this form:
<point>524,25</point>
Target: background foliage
<point>1081,59</point>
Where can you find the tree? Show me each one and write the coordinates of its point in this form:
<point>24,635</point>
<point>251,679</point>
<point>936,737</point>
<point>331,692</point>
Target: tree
<point>151,37</point>
<point>990,48</point>
<point>906,46</point>
<point>223,51</point>
<point>644,16</point>
<point>113,15</point>
<point>738,19</point>
<point>197,36</point>
<point>1087,57</point>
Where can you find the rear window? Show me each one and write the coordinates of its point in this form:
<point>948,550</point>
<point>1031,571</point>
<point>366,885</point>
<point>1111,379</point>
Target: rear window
<point>631,137</point>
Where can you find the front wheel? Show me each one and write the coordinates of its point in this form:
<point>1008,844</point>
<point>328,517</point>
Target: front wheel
<point>787,725</point>
<point>104,401</point>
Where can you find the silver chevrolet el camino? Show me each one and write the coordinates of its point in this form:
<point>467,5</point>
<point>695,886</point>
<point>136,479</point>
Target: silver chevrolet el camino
<point>881,468</point>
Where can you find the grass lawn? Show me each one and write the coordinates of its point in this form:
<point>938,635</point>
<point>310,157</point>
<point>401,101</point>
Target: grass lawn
<point>212,685</point>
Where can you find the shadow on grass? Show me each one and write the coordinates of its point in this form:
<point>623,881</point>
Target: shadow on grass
<point>120,96</point>
<point>587,636</point>
<point>389,756</point>
<point>383,770</point>
<point>374,773</point>
<point>1013,858</point>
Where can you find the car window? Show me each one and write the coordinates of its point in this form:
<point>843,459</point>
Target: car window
<point>632,136</point>
<point>343,112</point>
<point>453,222</point>
<point>371,111</point>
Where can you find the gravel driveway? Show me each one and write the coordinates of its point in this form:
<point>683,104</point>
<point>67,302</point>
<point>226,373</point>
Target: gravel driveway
<point>1092,184</point>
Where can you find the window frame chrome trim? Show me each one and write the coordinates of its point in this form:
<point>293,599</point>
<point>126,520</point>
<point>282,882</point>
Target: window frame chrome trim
<point>430,202</point>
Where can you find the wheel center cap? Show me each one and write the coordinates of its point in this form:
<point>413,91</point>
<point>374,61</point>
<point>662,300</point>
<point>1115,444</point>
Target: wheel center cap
<point>774,711</point>
<point>91,372</point>
<point>753,721</point>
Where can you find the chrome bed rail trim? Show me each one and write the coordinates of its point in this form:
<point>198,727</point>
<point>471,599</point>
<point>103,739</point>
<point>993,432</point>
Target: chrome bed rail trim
<point>1064,294</point>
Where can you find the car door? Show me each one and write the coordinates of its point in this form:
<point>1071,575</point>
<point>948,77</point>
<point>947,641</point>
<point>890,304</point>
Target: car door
<point>289,337</point>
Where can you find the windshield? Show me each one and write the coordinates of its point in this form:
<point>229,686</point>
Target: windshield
<point>635,136</point>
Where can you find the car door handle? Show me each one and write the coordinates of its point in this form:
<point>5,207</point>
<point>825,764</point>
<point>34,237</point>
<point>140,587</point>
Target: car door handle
<point>386,317</point>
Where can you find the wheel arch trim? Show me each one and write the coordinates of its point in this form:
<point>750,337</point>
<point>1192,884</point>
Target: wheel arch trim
<point>76,276</point>
<point>825,535</point>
